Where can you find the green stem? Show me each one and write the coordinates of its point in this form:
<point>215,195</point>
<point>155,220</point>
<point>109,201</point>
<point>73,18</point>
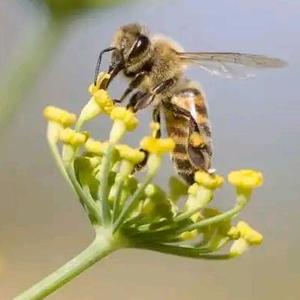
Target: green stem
<point>60,164</point>
<point>103,244</point>
<point>163,235</point>
<point>130,206</point>
<point>86,197</point>
<point>124,171</point>
<point>26,69</point>
<point>68,173</point>
<point>219,218</point>
<point>184,251</point>
<point>104,187</point>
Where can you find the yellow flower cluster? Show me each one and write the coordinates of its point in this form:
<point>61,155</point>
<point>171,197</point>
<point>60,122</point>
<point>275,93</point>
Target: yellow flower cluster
<point>96,147</point>
<point>104,101</point>
<point>59,116</point>
<point>245,236</point>
<point>102,80</point>
<point>246,179</point>
<point>135,156</point>
<point>157,146</point>
<point>132,155</point>
<point>249,234</point>
<point>126,116</point>
<point>210,181</point>
<point>73,138</point>
<point>105,170</point>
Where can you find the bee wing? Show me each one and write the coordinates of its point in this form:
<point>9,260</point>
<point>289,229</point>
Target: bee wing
<point>229,64</point>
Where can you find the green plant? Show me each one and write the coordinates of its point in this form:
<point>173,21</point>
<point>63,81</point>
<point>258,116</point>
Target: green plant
<point>128,213</point>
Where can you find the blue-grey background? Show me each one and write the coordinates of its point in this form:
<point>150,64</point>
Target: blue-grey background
<point>256,124</point>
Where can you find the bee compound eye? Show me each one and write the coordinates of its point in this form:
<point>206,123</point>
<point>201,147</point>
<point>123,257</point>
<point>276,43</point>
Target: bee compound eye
<point>140,46</point>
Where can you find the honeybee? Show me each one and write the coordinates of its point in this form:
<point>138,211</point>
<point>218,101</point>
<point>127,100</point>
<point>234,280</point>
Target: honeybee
<point>155,67</point>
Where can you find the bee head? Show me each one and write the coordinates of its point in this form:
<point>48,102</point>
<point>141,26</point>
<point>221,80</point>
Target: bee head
<point>131,45</point>
<point>132,41</point>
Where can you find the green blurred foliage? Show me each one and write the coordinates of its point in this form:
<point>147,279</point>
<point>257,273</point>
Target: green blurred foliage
<point>64,8</point>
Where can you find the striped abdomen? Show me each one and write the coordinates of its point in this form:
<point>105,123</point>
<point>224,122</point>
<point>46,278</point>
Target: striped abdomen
<point>193,149</point>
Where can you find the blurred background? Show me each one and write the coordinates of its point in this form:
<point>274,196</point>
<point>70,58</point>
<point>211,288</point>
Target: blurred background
<point>256,124</point>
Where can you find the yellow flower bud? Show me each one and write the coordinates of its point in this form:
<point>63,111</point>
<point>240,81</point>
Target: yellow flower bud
<point>238,247</point>
<point>246,179</point>
<point>249,234</point>
<point>188,235</point>
<point>73,138</point>
<point>210,181</point>
<point>234,233</point>
<point>104,101</point>
<point>126,116</point>
<point>93,89</point>
<point>193,189</point>
<point>157,146</point>
<point>59,116</point>
<point>135,156</point>
<point>96,147</point>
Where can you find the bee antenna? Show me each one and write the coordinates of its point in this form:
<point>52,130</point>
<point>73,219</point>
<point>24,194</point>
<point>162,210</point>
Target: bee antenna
<point>99,62</point>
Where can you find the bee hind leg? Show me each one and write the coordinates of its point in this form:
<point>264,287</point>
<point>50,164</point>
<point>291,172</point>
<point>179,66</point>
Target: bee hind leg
<point>197,148</point>
<point>198,151</point>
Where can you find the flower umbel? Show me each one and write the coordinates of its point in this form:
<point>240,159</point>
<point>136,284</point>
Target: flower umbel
<point>127,212</point>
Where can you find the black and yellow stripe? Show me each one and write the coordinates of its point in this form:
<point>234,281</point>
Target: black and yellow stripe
<point>178,129</point>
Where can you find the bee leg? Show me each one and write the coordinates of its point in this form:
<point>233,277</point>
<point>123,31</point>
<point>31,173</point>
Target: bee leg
<point>137,80</point>
<point>199,152</point>
<point>148,98</point>
<point>155,118</point>
<point>97,69</point>
<point>134,99</point>
<point>177,110</point>
<point>197,148</point>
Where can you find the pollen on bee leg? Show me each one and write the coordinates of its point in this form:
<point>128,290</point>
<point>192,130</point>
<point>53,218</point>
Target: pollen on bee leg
<point>196,140</point>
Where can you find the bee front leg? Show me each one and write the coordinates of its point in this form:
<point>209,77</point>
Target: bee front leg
<point>135,83</point>
<point>149,97</point>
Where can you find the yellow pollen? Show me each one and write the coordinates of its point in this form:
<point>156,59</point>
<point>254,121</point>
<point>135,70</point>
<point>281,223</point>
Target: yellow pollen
<point>196,140</point>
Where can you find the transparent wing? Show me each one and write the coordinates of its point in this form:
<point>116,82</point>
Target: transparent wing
<point>231,65</point>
